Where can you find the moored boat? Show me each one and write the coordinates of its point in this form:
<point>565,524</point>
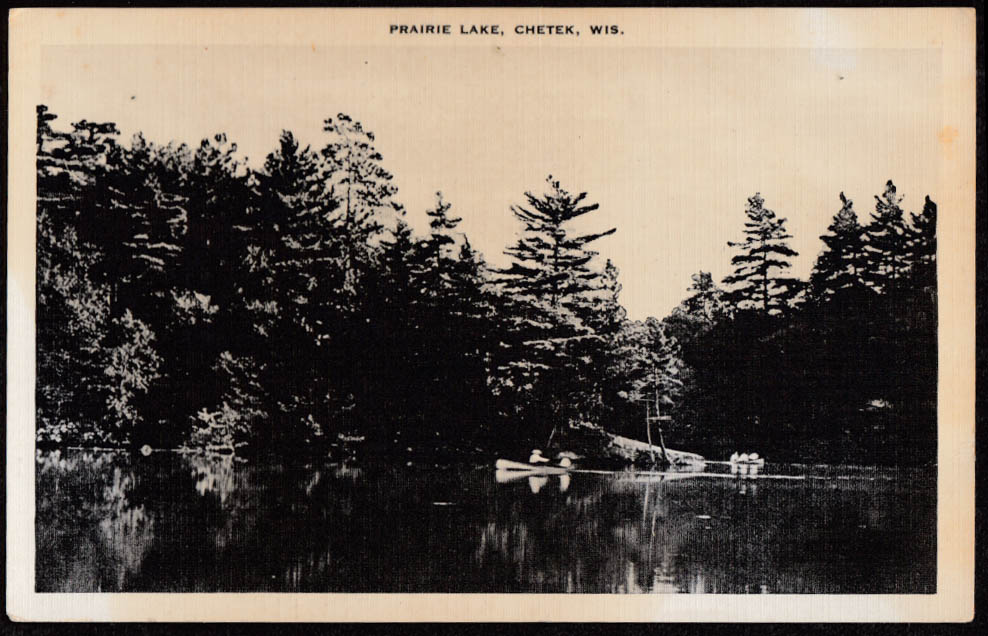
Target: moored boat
<point>750,462</point>
<point>531,469</point>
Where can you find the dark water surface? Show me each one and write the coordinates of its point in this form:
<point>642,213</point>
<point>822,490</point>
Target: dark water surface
<point>185,523</point>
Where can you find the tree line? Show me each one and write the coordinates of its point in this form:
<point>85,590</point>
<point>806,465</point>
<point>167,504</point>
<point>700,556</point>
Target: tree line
<point>185,298</point>
<point>842,367</point>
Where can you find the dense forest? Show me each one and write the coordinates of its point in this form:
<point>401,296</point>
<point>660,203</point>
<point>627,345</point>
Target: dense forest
<point>187,299</point>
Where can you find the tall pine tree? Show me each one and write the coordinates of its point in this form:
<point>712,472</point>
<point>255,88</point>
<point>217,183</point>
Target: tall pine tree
<point>758,282</point>
<point>294,261</point>
<point>885,243</point>
<point>436,248</point>
<point>549,291</point>
<point>365,191</point>
<point>840,266</point>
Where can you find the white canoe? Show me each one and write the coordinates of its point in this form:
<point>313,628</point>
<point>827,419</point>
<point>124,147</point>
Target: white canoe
<point>749,462</point>
<point>531,469</point>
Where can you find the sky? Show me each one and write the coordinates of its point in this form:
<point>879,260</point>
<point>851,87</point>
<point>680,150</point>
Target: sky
<point>670,142</point>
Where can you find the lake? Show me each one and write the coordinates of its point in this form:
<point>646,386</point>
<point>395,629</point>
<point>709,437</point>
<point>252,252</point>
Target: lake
<point>116,522</point>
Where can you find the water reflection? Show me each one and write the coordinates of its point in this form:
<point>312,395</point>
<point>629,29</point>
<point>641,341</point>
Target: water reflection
<point>169,522</point>
<point>213,475</point>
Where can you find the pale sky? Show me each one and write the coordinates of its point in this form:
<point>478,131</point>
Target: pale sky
<point>669,141</point>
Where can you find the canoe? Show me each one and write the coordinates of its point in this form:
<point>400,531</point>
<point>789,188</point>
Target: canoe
<point>529,469</point>
<point>748,462</point>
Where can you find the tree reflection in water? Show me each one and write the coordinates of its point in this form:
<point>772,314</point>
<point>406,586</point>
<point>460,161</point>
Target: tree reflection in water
<point>89,533</point>
<point>170,522</point>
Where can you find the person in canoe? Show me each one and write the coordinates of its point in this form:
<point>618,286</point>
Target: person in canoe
<point>565,459</point>
<point>537,458</point>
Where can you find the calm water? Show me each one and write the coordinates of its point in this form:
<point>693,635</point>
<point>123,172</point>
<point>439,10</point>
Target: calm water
<point>115,522</point>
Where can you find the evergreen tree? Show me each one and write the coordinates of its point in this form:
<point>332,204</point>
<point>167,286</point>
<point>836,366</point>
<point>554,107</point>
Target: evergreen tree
<point>548,263</point>
<point>294,260</point>
<point>921,244</point>
<point>757,281</point>
<point>216,184</point>
<point>550,291</point>
<point>137,227</point>
<point>365,192</point>
<point>840,267</point>
<point>917,359</point>
<point>436,246</point>
<point>440,334</point>
<point>71,170</point>
<point>366,214</point>
<point>699,312</point>
<point>401,379</point>
<point>398,265</point>
<point>603,311</point>
<point>885,243</point>
<point>72,317</point>
<point>293,245</point>
<point>706,303</point>
<point>471,311</point>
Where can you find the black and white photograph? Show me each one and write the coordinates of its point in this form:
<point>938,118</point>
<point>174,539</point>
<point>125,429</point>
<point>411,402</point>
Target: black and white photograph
<point>493,302</point>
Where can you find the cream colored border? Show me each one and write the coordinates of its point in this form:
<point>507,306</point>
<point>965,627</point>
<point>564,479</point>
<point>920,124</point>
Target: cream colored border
<point>952,31</point>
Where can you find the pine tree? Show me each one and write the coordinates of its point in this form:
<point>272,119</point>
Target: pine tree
<point>365,192</point>
<point>216,184</point>
<point>548,263</point>
<point>757,281</point>
<point>921,245</point>
<point>136,229</point>
<point>436,247</point>
<point>293,258</point>
<point>471,305</point>
<point>462,356</point>
<point>604,315</point>
<point>71,170</point>
<point>549,292</point>
<point>398,266</point>
<point>602,310</point>
<point>840,266</point>
<point>384,377</point>
<point>72,313</point>
<point>699,312</point>
<point>885,243</point>
<point>707,300</point>
<point>916,359</point>
<point>293,244</point>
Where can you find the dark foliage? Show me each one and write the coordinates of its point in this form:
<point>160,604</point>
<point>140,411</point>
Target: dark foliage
<point>848,376</point>
<point>186,299</point>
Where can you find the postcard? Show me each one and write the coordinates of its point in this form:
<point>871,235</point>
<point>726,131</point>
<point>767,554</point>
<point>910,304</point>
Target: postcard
<point>491,315</point>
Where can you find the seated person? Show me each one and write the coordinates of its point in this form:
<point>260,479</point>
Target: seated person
<point>566,459</point>
<point>537,458</point>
